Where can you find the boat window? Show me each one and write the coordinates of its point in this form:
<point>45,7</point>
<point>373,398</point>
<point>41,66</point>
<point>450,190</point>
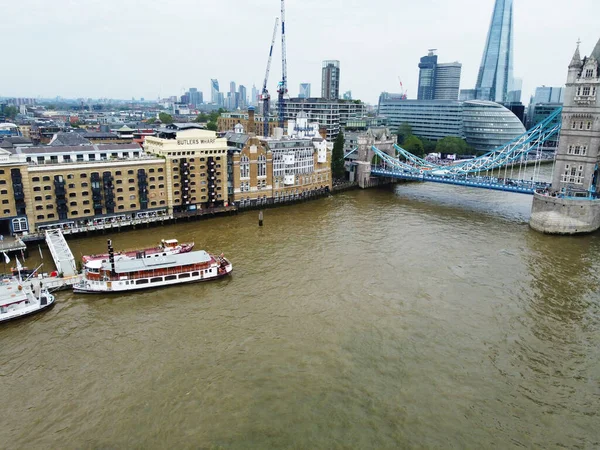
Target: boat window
<point>156,279</point>
<point>184,275</point>
<point>195,274</point>
<point>170,277</point>
<point>142,281</point>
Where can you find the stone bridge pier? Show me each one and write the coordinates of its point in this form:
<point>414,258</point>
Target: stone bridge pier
<point>379,137</point>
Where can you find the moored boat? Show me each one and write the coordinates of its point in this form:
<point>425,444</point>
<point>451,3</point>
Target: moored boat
<point>19,299</point>
<point>141,272</point>
<point>166,247</point>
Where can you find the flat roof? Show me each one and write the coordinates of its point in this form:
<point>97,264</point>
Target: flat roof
<point>159,262</point>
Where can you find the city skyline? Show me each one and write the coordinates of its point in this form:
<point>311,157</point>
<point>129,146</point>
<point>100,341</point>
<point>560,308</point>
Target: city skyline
<point>542,47</point>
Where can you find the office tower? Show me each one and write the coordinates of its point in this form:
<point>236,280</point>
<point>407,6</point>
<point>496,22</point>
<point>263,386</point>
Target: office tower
<point>546,94</point>
<point>330,81</point>
<point>214,91</point>
<point>254,99</point>
<point>495,78</point>
<point>347,95</point>
<point>243,97</point>
<point>232,88</point>
<point>438,81</point>
<point>304,90</point>
<point>195,97</point>
<point>447,81</point>
<point>427,66</point>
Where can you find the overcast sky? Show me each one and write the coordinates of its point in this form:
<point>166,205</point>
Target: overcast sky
<point>158,48</point>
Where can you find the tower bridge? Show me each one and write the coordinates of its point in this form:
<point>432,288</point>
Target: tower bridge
<point>513,167</point>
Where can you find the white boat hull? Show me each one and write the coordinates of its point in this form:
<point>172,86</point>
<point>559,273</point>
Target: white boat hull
<point>17,312</point>
<point>125,285</point>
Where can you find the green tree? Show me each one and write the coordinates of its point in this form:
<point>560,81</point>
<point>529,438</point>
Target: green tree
<point>414,145</point>
<point>202,117</point>
<point>452,145</point>
<point>11,112</point>
<point>337,157</point>
<point>429,146</point>
<point>165,118</point>
<point>212,126</point>
<point>404,131</point>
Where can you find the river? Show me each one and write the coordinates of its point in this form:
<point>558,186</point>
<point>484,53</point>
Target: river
<point>414,316</point>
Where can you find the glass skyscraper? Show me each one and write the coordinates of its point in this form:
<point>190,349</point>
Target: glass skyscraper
<point>495,79</point>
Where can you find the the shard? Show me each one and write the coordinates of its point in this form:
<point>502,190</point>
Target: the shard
<point>495,79</point>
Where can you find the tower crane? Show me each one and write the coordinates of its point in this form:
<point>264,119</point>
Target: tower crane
<point>282,86</point>
<point>265,96</point>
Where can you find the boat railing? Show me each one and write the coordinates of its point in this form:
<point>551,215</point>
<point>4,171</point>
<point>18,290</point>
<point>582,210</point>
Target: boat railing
<point>160,272</point>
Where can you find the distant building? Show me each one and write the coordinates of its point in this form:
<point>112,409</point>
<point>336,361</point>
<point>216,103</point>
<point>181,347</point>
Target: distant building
<point>214,91</point>
<point>330,80</point>
<point>483,124</point>
<point>330,114</point>
<point>495,79</point>
<point>427,66</point>
<point>304,90</point>
<point>438,81</point>
<point>195,97</point>
<point>243,97</point>
<point>467,94</point>
<point>447,81</point>
<point>546,94</point>
<point>347,95</point>
<point>254,100</point>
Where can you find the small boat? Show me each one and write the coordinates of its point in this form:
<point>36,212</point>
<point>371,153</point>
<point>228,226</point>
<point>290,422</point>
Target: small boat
<point>19,299</point>
<point>143,272</point>
<point>166,247</point>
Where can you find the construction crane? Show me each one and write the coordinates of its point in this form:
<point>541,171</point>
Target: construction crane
<point>265,96</point>
<point>402,90</point>
<point>282,86</point>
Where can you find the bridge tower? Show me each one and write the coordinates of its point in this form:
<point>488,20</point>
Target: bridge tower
<point>573,204</point>
<point>379,137</point>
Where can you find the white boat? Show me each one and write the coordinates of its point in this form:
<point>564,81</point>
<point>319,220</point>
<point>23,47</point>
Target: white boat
<point>19,299</point>
<point>130,274</point>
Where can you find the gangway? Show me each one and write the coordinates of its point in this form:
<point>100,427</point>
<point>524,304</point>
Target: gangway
<point>61,253</point>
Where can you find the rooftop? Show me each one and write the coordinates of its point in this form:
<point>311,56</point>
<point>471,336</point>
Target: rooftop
<point>74,149</point>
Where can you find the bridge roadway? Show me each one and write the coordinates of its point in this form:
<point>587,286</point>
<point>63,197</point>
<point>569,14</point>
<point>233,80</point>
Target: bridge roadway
<point>482,182</point>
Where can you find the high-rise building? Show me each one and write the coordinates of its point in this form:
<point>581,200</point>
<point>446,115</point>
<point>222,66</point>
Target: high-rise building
<point>347,95</point>
<point>447,81</point>
<point>214,91</point>
<point>243,97</point>
<point>304,90</point>
<point>427,66</point>
<point>495,79</point>
<point>330,80</point>
<point>232,88</point>
<point>195,97</point>
<point>438,81</point>
<point>254,99</point>
<point>546,94</point>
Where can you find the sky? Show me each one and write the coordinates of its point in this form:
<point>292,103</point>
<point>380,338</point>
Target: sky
<point>158,48</point>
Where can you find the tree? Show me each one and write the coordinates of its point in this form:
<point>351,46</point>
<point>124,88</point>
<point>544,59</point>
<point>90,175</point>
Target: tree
<point>337,158</point>
<point>414,145</point>
<point>202,117</point>
<point>451,145</point>
<point>428,145</point>
<point>165,118</point>
<point>404,131</point>
<point>11,112</point>
<point>212,126</point>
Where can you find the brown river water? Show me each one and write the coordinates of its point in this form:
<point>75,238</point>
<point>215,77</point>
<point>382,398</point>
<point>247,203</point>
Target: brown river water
<point>416,316</point>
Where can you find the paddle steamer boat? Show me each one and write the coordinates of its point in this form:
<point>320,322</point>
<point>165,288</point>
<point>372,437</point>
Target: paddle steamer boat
<point>141,272</point>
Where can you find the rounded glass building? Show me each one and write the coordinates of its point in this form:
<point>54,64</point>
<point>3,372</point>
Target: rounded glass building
<point>488,125</point>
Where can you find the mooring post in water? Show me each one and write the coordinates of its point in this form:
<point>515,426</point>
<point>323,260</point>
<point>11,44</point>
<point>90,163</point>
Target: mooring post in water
<point>260,218</point>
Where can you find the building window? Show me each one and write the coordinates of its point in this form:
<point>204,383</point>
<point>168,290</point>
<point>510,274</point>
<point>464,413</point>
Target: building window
<point>71,186</point>
<point>244,167</point>
<point>132,188</point>
<point>47,188</point>
<point>49,206</point>
<point>18,224</point>
<point>39,207</point>
<point>73,204</point>
<point>72,194</point>
<point>50,216</point>
<point>83,175</point>
<point>586,90</point>
<point>589,73</point>
<point>40,217</point>
<point>35,179</point>
<point>37,199</point>
<point>48,197</point>
<point>589,125</point>
<point>119,189</point>
<point>84,185</point>
<point>86,211</point>
<point>132,205</point>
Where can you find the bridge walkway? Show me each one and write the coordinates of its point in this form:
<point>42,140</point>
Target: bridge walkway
<point>61,253</point>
